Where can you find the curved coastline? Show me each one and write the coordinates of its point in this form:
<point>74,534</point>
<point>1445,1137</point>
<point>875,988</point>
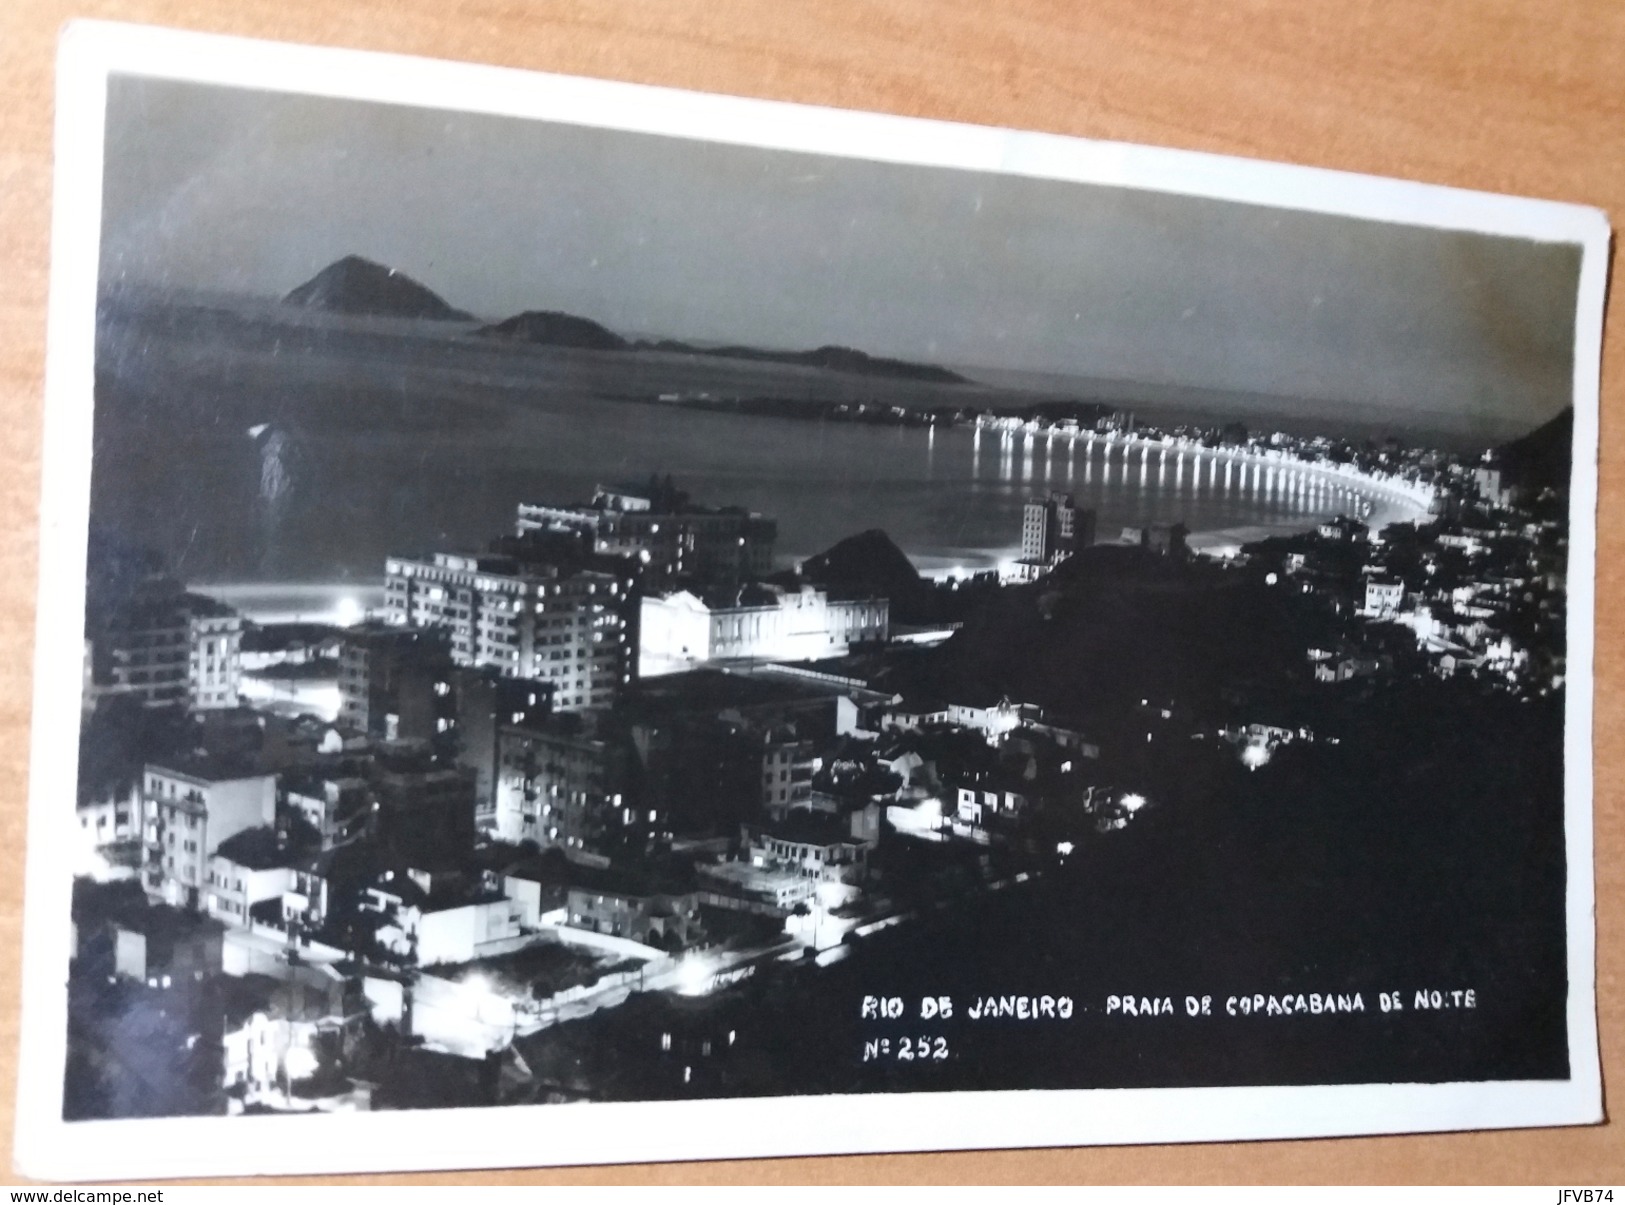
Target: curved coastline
<point>1375,499</point>
<point>1381,498</point>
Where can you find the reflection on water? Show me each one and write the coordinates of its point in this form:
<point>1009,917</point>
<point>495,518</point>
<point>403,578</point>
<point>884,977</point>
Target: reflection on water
<point>946,497</point>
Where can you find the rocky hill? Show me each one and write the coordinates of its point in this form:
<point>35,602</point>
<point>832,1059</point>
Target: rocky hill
<point>868,563</point>
<point>550,328</point>
<point>354,285</point>
<point>1543,458</point>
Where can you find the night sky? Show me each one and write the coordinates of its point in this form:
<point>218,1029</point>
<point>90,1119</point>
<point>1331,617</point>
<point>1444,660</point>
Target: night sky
<point>227,190</point>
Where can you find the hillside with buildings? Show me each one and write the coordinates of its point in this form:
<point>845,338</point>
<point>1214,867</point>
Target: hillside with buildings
<point>602,756</point>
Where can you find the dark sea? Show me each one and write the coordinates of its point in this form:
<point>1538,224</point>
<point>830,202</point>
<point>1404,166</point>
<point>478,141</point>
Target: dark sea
<point>251,448</point>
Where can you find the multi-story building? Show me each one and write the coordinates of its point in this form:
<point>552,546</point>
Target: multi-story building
<point>439,917</point>
<point>788,764</point>
<point>487,703</point>
<point>1164,539</point>
<point>656,909</point>
<point>322,884</point>
<point>168,648</point>
<point>562,782</point>
<point>144,652</point>
<point>189,807</point>
<point>214,642</point>
<point>814,845</point>
<point>696,774</point>
<point>110,816</point>
<point>1055,526</point>
<point>421,809</point>
<point>337,805</point>
<point>758,621</point>
<point>984,798</point>
<point>395,682</point>
<point>744,887</point>
<point>572,626</point>
<point>165,946</point>
<point>1167,539</point>
<point>715,748</point>
<point>674,539</point>
<point>1487,480</point>
<point>249,868</point>
<point>1383,597</point>
<point>1052,529</point>
<point>1343,529</point>
<point>868,715</point>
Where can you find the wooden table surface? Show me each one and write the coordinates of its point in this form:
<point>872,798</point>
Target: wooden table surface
<point>1517,96</point>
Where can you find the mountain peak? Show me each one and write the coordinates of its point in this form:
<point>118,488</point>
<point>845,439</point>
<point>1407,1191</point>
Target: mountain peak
<point>869,559</point>
<point>355,285</point>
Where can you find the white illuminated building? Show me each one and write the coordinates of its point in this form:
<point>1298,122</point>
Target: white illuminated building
<point>1383,598</point>
<point>757,622</point>
<point>527,619</point>
<point>189,807</point>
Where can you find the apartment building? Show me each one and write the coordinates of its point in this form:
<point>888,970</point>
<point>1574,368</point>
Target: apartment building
<point>566,624</point>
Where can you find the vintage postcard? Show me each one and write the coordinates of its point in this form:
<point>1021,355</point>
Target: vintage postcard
<point>588,623</point>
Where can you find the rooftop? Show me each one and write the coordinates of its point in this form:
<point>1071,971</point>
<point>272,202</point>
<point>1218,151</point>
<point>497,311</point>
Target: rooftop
<point>262,848</point>
<point>655,496</point>
<point>713,689</point>
<point>748,877</point>
<point>917,705</point>
<point>205,768</point>
<point>355,862</point>
<point>439,891</point>
<point>809,828</point>
<point>532,557</point>
<point>629,880</point>
<point>313,782</point>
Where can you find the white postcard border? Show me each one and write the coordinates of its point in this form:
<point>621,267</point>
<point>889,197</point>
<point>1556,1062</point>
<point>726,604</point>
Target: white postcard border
<point>48,1147</point>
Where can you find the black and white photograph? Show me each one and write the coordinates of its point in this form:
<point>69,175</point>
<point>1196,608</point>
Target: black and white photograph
<point>680,627</point>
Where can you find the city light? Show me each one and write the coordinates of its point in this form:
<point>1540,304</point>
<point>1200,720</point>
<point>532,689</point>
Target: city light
<point>300,1062</point>
<point>1064,848</point>
<point>694,979</point>
<point>1255,755</point>
<point>347,612</point>
<point>1132,803</point>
